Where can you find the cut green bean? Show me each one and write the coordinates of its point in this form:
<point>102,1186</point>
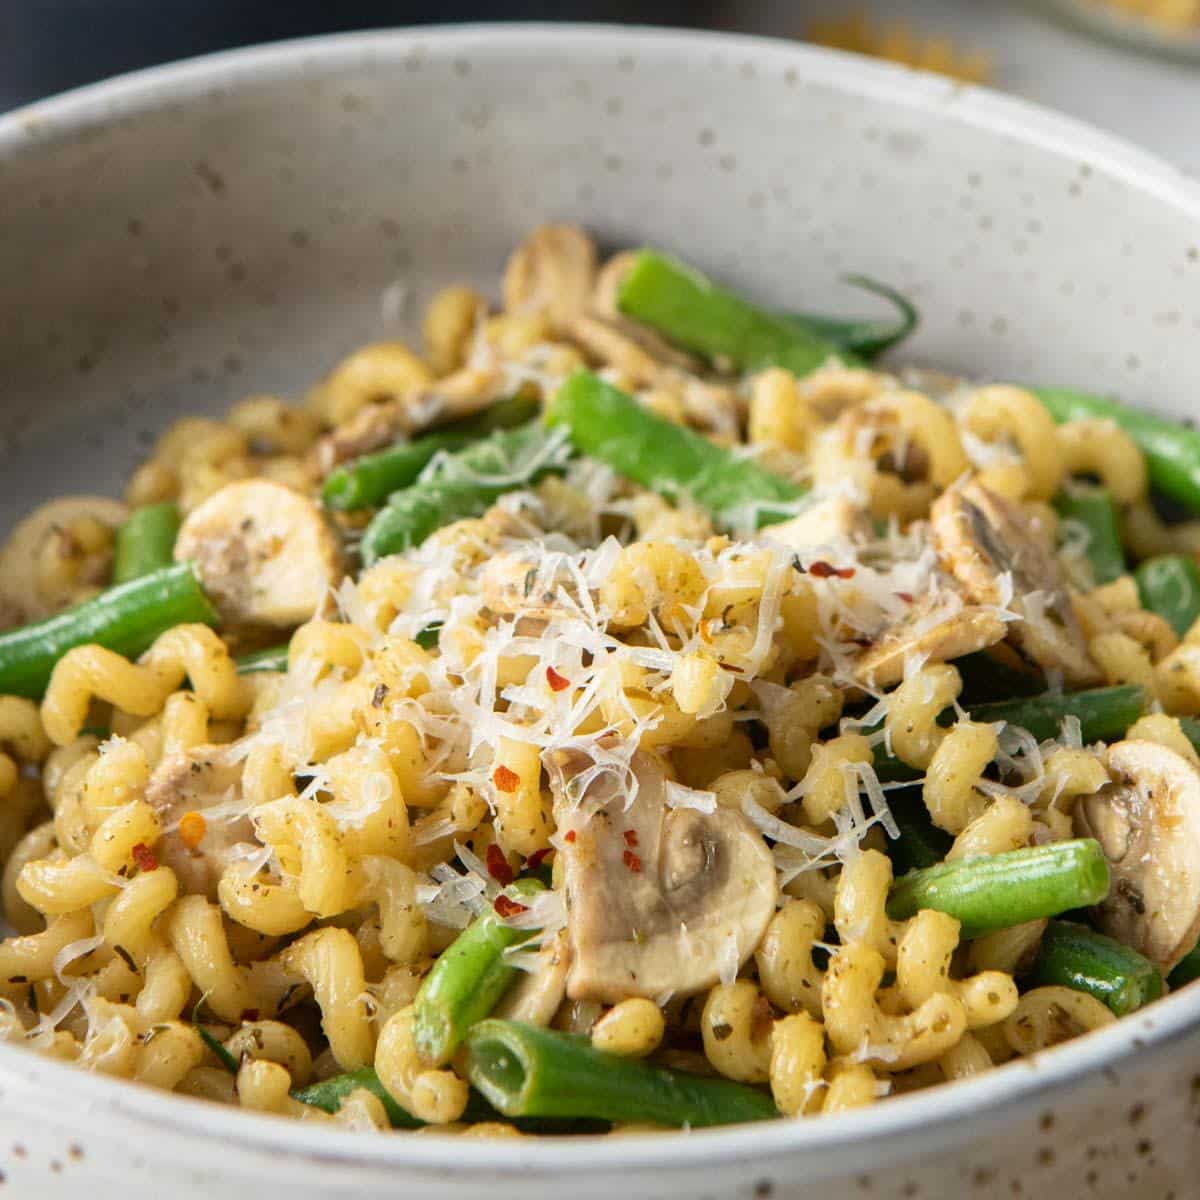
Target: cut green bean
<point>693,312</point>
<point>997,891</point>
<point>126,618</point>
<point>1092,509</point>
<point>473,480</point>
<point>525,1071</point>
<point>666,458</point>
<point>146,541</point>
<point>368,481</point>
<point>921,843</point>
<point>466,981</point>
<point>1104,714</point>
<point>1186,970</point>
<point>273,658</point>
<point>1170,586</point>
<point>1172,451</point>
<point>329,1094</point>
<point>864,337</point>
<point>1075,956</point>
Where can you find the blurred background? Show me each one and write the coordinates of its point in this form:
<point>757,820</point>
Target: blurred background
<point>1132,66</point>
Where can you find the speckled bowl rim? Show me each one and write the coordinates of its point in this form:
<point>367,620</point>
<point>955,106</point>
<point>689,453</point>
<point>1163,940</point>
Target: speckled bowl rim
<point>938,1116</point>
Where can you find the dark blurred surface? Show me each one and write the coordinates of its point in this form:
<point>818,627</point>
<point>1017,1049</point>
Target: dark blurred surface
<point>47,46</point>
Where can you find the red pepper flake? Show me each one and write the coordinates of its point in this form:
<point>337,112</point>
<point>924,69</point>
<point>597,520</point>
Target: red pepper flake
<point>824,570</point>
<point>508,908</point>
<point>632,861</point>
<point>556,681</point>
<point>569,836</point>
<point>907,597</point>
<point>144,857</point>
<point>192,828</point>
<point>538,857</point>
<point>497,865</point>
<point>630,836</point>
<point>506,779</point>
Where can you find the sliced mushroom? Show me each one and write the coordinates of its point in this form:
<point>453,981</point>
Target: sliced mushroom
<point>827,522</point>
<point>660,901</point>
<point>198,780</point>
<point>1148,823</point>
<point>460,395</point>
<point>610,344</point>
<point>938,628</point>
<point>21,599</point>
<point>551,271</point>
<point>537,994</point>
<point>984,540</point>
<point>264,553</point>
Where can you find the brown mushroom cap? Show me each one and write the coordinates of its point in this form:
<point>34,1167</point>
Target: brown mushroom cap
<point>980,537</point>
<point>658,899</point>
<point>1148,823</point>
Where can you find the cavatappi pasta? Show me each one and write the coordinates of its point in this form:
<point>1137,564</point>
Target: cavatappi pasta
<point>632,681</point>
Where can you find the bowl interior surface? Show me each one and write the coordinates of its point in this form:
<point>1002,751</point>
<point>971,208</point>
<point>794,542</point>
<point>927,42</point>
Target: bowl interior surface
<point>190,235</point>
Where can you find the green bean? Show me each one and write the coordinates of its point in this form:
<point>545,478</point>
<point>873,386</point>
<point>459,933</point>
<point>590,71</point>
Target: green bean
<point>996,891</point>
<point>328,1095</point>
<point>693,312</point>
<point>145,541</point>
<point>1170,586</point>
<point>1093,509</point>
<point>126,618</point>
<point>525,1071</point>
<point>368,481</point>
<point>1186,969</point>
<point>921,843</point>
<point>1074,956</point>
<point>273,658</point>
<point>466,982</point>
<point>1172,451</point>
<point>666,458</point>
<point>1104,714</point>
<point>472,480</point>
<point>866,338</point>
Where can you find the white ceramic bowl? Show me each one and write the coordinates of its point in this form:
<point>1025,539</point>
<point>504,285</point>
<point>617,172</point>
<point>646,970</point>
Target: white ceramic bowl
<point>173,240</point>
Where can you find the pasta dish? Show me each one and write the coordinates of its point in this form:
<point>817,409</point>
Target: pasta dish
<point>635,711</point>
